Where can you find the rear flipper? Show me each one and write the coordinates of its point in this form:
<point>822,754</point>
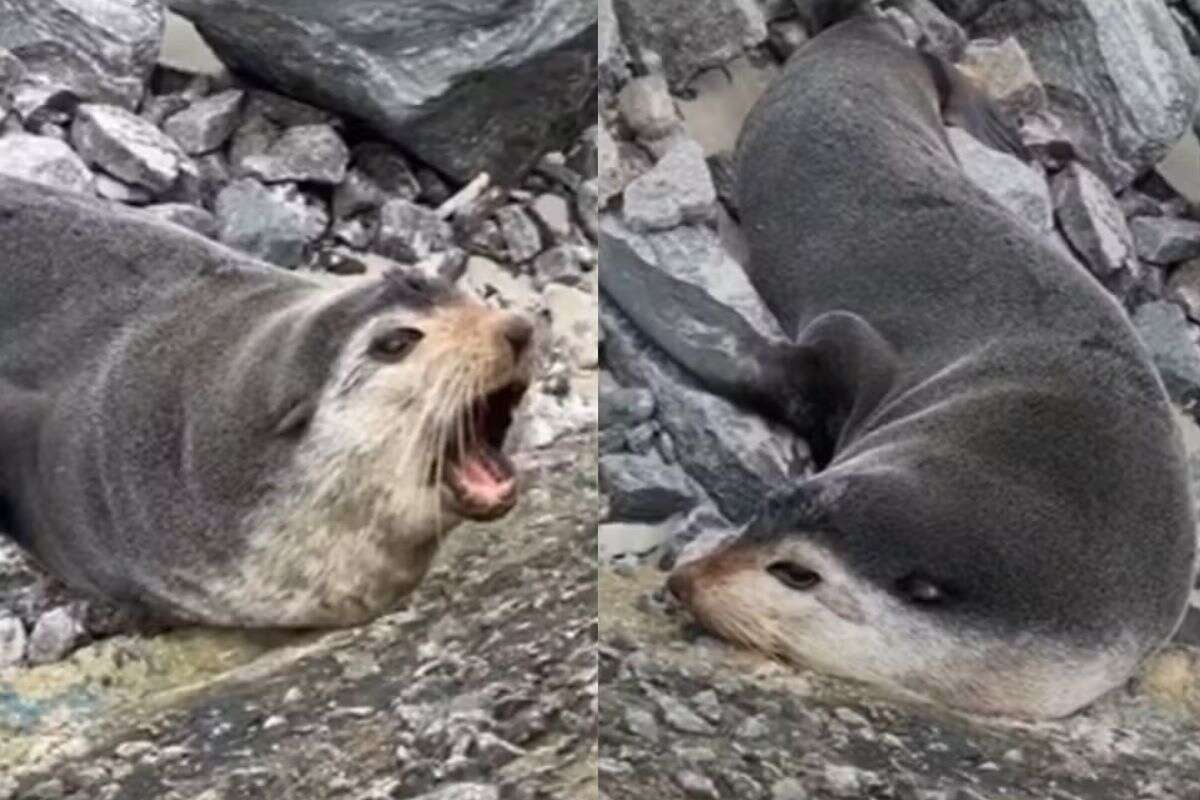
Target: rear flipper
<point>966,105</point>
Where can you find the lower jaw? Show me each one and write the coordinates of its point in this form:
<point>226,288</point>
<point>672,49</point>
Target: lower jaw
<point>455,505</point>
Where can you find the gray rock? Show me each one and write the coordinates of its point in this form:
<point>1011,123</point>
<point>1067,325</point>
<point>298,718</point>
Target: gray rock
<point>186,216</point>
<point>12,72</point>
<point>647,107</point>
<point>696,785</point>
<point>520,232</point>
<point>691,36</point>
<point>1092,221</point>
<point>688,296</point>
<point>56,633</point>
<point>679,189</point>
<point>641,488</point>
<point>1165,240</point>
<point>1164,330</point>
<point>785,37</point>
<point>625,407</point>
<point>377,174</point>
<point>573,323</point>
<point>1003,69</point>
<point>253,137</point>
<point>104,50</point>
<point>286,112</point>
<point>1011,182</point>
<point>275,224</point>
<point>1118,74</point>
<point>206,124</point>
<point>736,456</point>
<point>306,153</point>
<point>610,50</point>
<point>158,107</point>
<point>587,207</point>
<point>463,791</point>
<point>788,789</point>
<point>126,146</point>
<point>212,174</point>
<point>941,35</point>
<point>555,215</point>
<point>12,641</point>
<point>40,103</point>
<point>409,232</point>
<point>557,265</point>
<point>429,77</point>
<point>44,160</point>
<point>110,188</point>
<point>1184,287</point>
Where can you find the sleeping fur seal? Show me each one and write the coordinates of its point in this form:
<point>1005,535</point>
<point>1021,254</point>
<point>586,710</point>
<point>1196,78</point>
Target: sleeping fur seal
<point>213,439</point>
<point>1001,521</point>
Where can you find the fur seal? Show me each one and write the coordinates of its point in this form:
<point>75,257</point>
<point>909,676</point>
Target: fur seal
<point>1001,521</point>
<point>212,439</point>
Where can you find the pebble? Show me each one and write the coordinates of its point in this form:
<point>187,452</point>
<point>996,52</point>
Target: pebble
<point>521,234</point>
<point>409,232</point>
<point>696,785</point>
<point>646,106</point>
<point>56,633</point>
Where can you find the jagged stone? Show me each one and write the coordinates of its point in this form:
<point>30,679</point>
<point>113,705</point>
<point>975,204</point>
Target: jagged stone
<point>521,235</point>
<point>1092,221</point>
<point>409,232</point>
<point>206,124</point>
<point>1017,186</point>
<point>1164,330</point>
<point>126,146</point>
<point>275,223</point>
<point>678,190</point>
<point>103,50</point>
<point>1165,240</point>
<point>646,106</point>
<point>45,160</point>
<point>305,153</point>
<point>186,216</point>
<point>377,174</point>
<point>1003,69</point>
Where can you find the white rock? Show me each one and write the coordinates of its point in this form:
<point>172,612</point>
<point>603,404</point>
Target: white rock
<point>47,161</point>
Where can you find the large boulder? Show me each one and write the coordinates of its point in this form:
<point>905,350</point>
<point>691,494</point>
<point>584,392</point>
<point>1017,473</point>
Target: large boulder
<point>469,86</point>
<point>1118,74</point>
<point>103,50</point>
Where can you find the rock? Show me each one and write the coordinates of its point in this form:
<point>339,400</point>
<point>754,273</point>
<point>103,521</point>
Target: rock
<point>486,278</point>
<point>641,488</point>
<point>13,72</point>
<point>611,53</point>
<point>409,232</point>
<point>158,107</point>
<point>625,407</point>
<point>1003,69</point>
<point>44,160</point>
<point>587,207</point>
<point>687,295</point>
<point>521,234</point>
<point>112,189</point>
<point>1011,182</point>
<point>1165,240</point>
<point>253,137</point>
<point>1165,332</point>
<point>12,641</point>
<point>573,322</point>
<point>187,216</point>
<point>274,224</point>
<point>785,37</point>
<point>126,146</point>
<point>206,125</point>
<point>646,106</point>
<point>463,791</point>
<point>557,265</point>
<point>611,176</point>
<point>56,633</point>
<point>788,789</point>
<point>377,174</point>
<point>1092,221</point>
<point>286,112</point>
<point>104,50</point>
<point>306,153</point>
<point>554,214</point>
<point>429,77</point>
<point>691,36</point>
<point>679,189</point>
<point>1184,287</point>
<point>696,785</point>
<point>1119,75</point>
<point>39,104</point>
<point>941,35</point>
<point>736,456</point>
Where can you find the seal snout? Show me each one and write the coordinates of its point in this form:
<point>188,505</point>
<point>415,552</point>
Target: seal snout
<point>518,332</point>
<point>680,586</point>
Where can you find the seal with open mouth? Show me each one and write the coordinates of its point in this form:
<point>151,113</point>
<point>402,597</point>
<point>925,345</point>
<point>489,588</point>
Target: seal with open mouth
<point>1001,521</point>
<point>213,439</point>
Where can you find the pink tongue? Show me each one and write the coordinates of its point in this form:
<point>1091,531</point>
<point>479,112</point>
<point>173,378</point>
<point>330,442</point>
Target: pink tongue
<point>481,482</point>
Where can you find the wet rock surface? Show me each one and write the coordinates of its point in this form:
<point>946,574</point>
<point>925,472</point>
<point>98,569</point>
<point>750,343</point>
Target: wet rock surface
<point>425,76</point>
<point>483,685</point>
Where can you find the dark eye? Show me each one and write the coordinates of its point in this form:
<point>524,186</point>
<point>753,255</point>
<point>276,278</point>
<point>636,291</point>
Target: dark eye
<point>794,576</point>
<point>919,589</point>
<point>395,344</point>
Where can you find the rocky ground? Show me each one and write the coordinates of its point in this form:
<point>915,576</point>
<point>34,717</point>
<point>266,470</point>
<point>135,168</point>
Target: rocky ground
<point>686,716</point>
<point>482,687</point>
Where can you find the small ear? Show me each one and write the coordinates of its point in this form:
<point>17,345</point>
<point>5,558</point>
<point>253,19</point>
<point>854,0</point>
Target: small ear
<point>841,601</point>
<point>297,417</point>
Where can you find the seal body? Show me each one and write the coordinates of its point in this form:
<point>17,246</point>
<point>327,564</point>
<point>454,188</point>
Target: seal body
<point>1002,520</point>
<point>214,439</point>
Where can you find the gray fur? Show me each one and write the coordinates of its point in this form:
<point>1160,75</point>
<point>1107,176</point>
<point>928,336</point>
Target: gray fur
<point>993,424</point>
<point>145,379</point>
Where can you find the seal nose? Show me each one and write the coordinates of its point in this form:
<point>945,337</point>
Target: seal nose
<point>519,333</point>
<point>680,586</point>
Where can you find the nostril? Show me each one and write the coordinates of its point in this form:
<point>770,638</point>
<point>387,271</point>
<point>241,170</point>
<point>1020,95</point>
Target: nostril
<point>519,333</point>
<point>680,587</point>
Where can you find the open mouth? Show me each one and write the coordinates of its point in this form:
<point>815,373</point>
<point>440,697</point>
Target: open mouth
<point>479,478</point>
